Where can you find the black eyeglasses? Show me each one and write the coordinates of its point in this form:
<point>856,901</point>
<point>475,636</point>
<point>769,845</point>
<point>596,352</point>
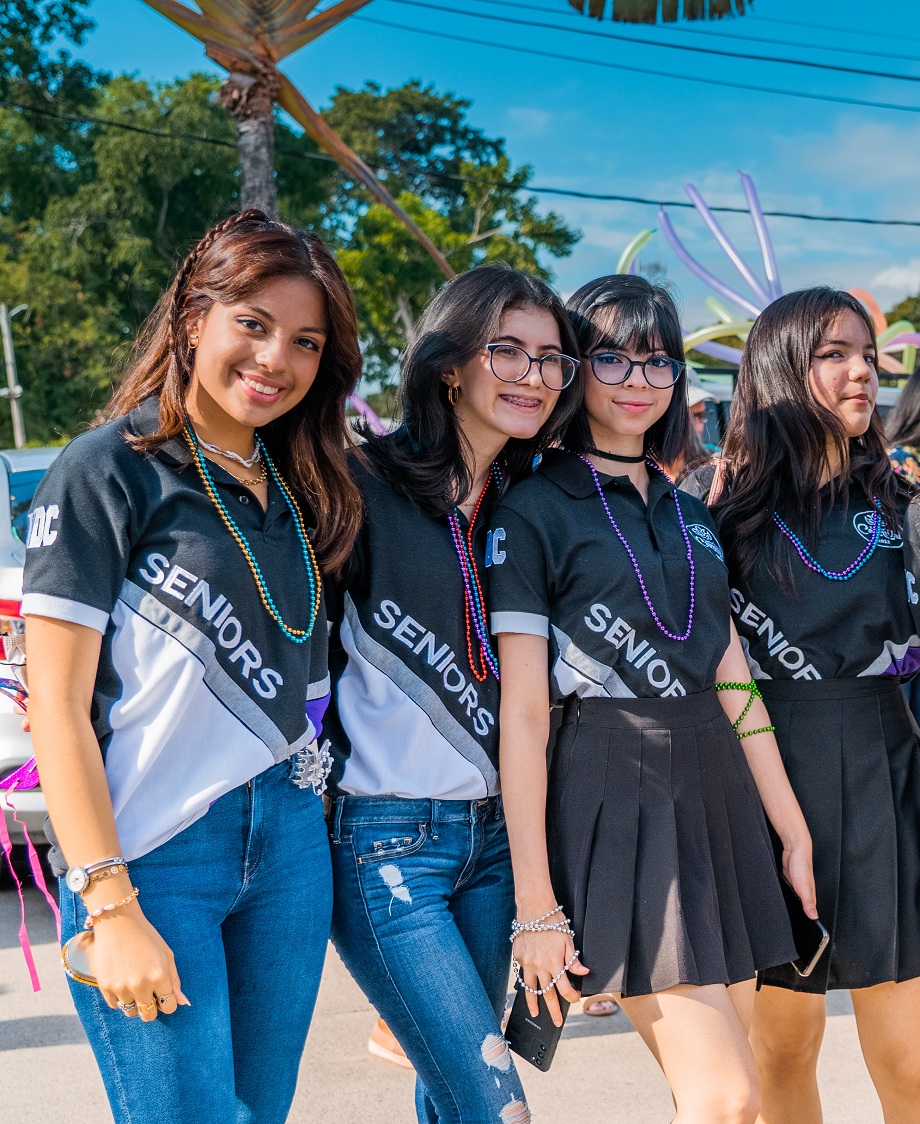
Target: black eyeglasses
<point>660,371</point>
<point>511,364</point>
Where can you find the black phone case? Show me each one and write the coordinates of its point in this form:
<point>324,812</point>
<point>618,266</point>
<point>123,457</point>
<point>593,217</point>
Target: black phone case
<point>534,1038</point>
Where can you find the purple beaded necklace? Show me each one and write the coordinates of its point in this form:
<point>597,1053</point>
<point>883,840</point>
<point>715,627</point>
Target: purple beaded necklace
<point>683,530</point>
<point>474,600</point>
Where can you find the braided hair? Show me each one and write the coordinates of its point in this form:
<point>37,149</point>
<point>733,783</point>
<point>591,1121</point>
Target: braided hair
<point>232,261</point>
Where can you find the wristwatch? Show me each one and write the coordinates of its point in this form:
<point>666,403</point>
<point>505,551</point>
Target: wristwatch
<point>77,877</point>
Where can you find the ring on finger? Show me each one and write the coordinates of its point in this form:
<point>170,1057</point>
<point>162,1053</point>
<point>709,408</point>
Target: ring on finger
<point>145,1007</point>
<point>127,1008</point>
<point>165,998</point>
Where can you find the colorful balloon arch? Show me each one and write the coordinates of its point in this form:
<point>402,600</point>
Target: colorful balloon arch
<point>898,339</point>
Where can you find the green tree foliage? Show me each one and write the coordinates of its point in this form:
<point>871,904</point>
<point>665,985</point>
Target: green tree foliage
<point>455,182</point>
<point>908,309</point>
<point>94,217</point>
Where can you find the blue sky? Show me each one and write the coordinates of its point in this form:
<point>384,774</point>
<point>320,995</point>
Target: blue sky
<point>648,134</point>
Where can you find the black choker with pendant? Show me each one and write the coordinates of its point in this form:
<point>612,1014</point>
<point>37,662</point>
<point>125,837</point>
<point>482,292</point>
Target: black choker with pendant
<point>592,452</point>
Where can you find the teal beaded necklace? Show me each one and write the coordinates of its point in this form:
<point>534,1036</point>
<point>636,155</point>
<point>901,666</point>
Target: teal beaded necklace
<point>314,581</point>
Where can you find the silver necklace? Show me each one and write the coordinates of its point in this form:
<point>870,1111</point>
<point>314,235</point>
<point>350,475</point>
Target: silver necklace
<point>244,461</point>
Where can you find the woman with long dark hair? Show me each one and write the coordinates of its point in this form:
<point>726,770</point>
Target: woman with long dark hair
<point>811,517</point>
<point>642,863</point>
<point>178,678</point>
<point>423,885</point>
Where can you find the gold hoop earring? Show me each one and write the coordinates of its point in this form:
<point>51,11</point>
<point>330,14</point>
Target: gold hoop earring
<point>453,395</point>
<point>192,344</point>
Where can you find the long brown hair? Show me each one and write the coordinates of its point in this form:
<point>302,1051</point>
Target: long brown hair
<point>233,260</point>
<point>776,447</point>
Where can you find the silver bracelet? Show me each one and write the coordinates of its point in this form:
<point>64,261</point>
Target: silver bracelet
<point>552,983</point>
<point>537,925</point>
<point>563,926</point>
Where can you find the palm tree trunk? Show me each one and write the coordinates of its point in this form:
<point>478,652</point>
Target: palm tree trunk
<point>249,99</point>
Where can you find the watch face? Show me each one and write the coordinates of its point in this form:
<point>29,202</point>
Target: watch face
<point>76,879</point>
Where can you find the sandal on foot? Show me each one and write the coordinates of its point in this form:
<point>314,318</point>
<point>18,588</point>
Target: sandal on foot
<point>601,1004</point>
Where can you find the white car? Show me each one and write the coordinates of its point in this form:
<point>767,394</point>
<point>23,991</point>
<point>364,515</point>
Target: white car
<point>20,473</point>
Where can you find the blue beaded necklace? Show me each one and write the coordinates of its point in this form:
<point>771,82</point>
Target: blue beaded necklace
<point>314,581</point>
<point>855,566</point>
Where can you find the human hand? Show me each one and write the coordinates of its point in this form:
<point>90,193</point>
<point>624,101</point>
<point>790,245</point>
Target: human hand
<point>542,957</point>
<point>797,867</point>
<point>133,965</point>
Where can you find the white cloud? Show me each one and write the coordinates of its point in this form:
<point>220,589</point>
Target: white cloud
<point>898,280</point>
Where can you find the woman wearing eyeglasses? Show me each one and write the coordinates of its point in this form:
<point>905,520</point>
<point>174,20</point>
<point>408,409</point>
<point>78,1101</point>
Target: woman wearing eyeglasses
<point>422,873</point>
<point>643,862</point>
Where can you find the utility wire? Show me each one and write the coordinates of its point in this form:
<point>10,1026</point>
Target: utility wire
<point>557,57</point>
<point>571,193</point>
<point>718,36</point>
<point>845,30</point>
<point>610,35</point>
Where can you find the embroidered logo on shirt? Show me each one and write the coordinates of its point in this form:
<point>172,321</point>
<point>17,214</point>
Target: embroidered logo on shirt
<point>41,532</point>
<point>494,553</point>
<point>706,538</point>
<point>862,521</point>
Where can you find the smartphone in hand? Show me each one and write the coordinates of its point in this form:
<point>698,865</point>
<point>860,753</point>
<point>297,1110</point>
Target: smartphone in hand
<point>534,1037</point>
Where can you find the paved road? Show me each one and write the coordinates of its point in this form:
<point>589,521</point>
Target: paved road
<point>601,1073</point>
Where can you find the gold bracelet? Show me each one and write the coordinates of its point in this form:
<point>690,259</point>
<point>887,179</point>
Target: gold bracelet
<point>92,917</point>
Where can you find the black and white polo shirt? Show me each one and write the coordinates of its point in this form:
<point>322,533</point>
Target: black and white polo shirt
<point>407,717</point>
<point>825,629</point>
<point>557,569</point>
<point>197,688</point>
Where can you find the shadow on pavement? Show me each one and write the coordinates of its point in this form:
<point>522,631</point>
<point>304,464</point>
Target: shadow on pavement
<point>42,1030</point>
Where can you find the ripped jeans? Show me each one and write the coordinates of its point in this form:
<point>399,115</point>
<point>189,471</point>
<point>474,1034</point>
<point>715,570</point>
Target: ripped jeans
<point>422,912</point>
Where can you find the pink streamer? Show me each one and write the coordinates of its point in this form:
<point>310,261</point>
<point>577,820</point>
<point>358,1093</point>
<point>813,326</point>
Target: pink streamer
<point>24,944</point>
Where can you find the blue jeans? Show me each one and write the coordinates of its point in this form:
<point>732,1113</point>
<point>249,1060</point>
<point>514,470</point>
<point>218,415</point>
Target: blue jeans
<point>423,905</point>
<point>243,898</point>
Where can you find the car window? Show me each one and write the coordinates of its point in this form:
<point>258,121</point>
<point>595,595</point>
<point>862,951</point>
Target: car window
<point>22,489</point>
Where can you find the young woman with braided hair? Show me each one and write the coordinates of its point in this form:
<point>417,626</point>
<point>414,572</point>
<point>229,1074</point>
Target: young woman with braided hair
<point>177,645</point>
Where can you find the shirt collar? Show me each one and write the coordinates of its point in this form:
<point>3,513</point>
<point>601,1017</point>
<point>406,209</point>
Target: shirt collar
<point>144,419</point>
<point>569,472</point>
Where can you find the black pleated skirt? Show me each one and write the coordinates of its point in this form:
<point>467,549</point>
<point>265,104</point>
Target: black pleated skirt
<point>852,755</point>
<point>659,848</point>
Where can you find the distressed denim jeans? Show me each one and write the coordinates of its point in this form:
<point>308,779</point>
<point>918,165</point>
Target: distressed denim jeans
<point>423,905</point>
<point>243,897</point>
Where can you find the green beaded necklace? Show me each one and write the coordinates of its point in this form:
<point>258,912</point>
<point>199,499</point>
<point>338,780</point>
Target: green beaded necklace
<point>314,581</point>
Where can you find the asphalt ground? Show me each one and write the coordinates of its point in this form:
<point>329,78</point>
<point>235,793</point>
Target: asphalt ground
<point>602,1071</point>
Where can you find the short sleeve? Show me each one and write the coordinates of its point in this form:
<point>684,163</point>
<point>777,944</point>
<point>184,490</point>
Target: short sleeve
<point>78,538</point>
<point>699,482</point>
<point>517,576</point>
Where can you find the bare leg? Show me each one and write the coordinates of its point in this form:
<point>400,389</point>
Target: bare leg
<point>888,1021</point>
<point>699,1041</point>
<point>786,1035</point>
<point>742,996</point>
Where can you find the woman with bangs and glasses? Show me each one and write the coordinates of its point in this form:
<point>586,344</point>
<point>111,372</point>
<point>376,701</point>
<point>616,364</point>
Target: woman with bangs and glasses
<point>643,862</point>
<point>821,539</point>
<point>422,873</point>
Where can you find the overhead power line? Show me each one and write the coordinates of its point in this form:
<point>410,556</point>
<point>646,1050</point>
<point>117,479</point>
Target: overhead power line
<point>845,30</point>
<point>571,193</point>
<point>718,36</point>
<point>558,57</point>
<point>635,39</point>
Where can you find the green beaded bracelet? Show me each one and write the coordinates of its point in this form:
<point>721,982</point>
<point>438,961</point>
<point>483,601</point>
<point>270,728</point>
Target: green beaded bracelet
<point>753,693</point>
<point>760,730</point>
